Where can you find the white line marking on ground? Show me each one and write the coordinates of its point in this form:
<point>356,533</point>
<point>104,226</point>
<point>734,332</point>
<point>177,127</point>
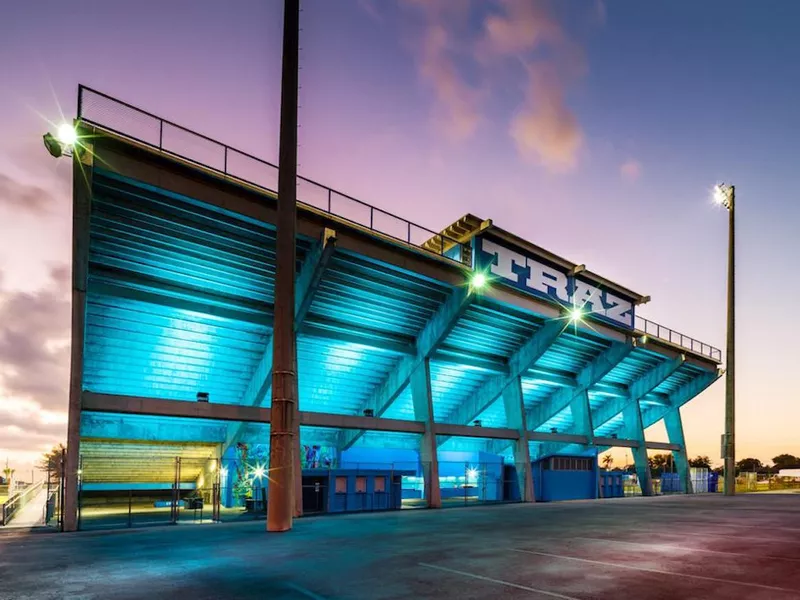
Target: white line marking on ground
<point>499,582</point>
<point>737,526</point>
<point>659,572</point>
<point>304,591</point>
<point>758,556</point>
<point>719,535</point>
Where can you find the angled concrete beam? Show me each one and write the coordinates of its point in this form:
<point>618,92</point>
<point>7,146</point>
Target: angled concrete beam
<point>311,273</point>
<point>519,362</point>
<point>633,428</point>
<point>680,396</point>
<point>582,426</point>
<point>422,399</point>
<point>429,340</point>
<point>582,415</point>
<point>638,390</point>
<point>515,415</point>
<point>674,425</point>
<point>588,376</point>
<point>307,283</point>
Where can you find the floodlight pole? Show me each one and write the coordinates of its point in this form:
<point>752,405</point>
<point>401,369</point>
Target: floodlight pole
<point>730,378</point>
<point>280,496</point>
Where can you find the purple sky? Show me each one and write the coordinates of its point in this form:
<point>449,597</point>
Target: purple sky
<point>594,129</point>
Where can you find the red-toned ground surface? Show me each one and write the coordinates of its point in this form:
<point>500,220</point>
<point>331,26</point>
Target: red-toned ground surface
<point>639,548</point>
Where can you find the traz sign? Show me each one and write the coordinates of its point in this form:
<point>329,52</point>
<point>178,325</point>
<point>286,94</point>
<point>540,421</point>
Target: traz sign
<point>536,277</point>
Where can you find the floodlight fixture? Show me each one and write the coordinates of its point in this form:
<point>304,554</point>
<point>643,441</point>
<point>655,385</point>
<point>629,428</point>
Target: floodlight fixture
<point>53,145</point>
<point>723,195</point>
<point>66,134</point>
<point>478,280</point>
<point>575,314</point>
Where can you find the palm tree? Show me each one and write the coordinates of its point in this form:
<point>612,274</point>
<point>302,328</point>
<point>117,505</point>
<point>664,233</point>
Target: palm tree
<point>608,460</point>
<point>8,473</point>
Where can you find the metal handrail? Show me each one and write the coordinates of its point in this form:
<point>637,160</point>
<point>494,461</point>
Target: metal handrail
<point>9,508</point>
<point>651,328</point>
<point>448,247</point>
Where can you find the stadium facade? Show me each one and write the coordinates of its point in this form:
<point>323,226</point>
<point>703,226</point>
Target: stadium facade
<point>461,364</point>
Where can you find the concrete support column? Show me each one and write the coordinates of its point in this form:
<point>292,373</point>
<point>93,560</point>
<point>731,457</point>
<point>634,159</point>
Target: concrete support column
<point>674,425</point>
<point>582,416</point>
<point>634,430</point>
<point>423,411</point>
<point>515,415</point>
<point>82,162</point>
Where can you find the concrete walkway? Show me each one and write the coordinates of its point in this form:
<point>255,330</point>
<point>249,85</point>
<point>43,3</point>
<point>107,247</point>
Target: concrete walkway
<point>32,514</point>
<point>666,548</point>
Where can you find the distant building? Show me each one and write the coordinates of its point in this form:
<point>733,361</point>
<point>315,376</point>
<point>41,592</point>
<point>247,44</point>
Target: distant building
<point>793,473</point>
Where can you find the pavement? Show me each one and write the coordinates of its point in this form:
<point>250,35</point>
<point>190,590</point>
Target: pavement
<point>32,514</point>
<point>703,547</point>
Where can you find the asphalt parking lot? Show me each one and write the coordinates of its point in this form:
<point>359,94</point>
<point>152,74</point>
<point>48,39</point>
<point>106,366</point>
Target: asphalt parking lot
<point>644,548</point>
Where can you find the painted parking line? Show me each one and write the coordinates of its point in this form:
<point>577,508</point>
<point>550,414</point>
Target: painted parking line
<point>719,535</point>
<point>673,547</point>
<point>737,526</point>
<point>498,581</point>
<point>306,593</point>
<point>658,571</point>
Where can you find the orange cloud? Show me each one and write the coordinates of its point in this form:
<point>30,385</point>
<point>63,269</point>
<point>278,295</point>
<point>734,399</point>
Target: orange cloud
<point>523,26</point>
<point>457,103</point>
<point>545,130</point>
<point>631,170</point>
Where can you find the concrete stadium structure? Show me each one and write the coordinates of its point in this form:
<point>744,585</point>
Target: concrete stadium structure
<point>401,350</point>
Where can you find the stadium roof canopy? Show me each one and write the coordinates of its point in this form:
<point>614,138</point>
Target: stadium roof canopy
<point>178,242</point>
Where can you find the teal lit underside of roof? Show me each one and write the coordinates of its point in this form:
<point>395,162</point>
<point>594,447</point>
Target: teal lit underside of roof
<point>179,301</point>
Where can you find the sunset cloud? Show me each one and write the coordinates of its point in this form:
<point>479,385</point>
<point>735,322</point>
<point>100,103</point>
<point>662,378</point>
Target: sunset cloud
<point>544,129</point>
<point>520,27</point>
<point>631,170</point>
<point>34,365</point>
<point>456,111</point>
<point>23,197</point>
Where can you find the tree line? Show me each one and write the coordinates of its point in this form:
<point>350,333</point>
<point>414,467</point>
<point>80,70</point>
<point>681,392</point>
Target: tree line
<point>664,463</point>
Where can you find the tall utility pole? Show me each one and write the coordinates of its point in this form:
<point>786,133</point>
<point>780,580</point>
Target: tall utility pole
<point>730,376</point>
<point>725,195</point>
<point>280,503</point>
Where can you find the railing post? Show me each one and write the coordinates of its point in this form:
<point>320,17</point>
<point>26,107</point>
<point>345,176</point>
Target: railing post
<point>161,134</point>
<point>329,199</point>
<point>225,161</point>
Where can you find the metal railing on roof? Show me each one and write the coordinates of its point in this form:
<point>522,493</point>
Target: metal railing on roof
<point>684,341</point>
<point>121,118</point>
